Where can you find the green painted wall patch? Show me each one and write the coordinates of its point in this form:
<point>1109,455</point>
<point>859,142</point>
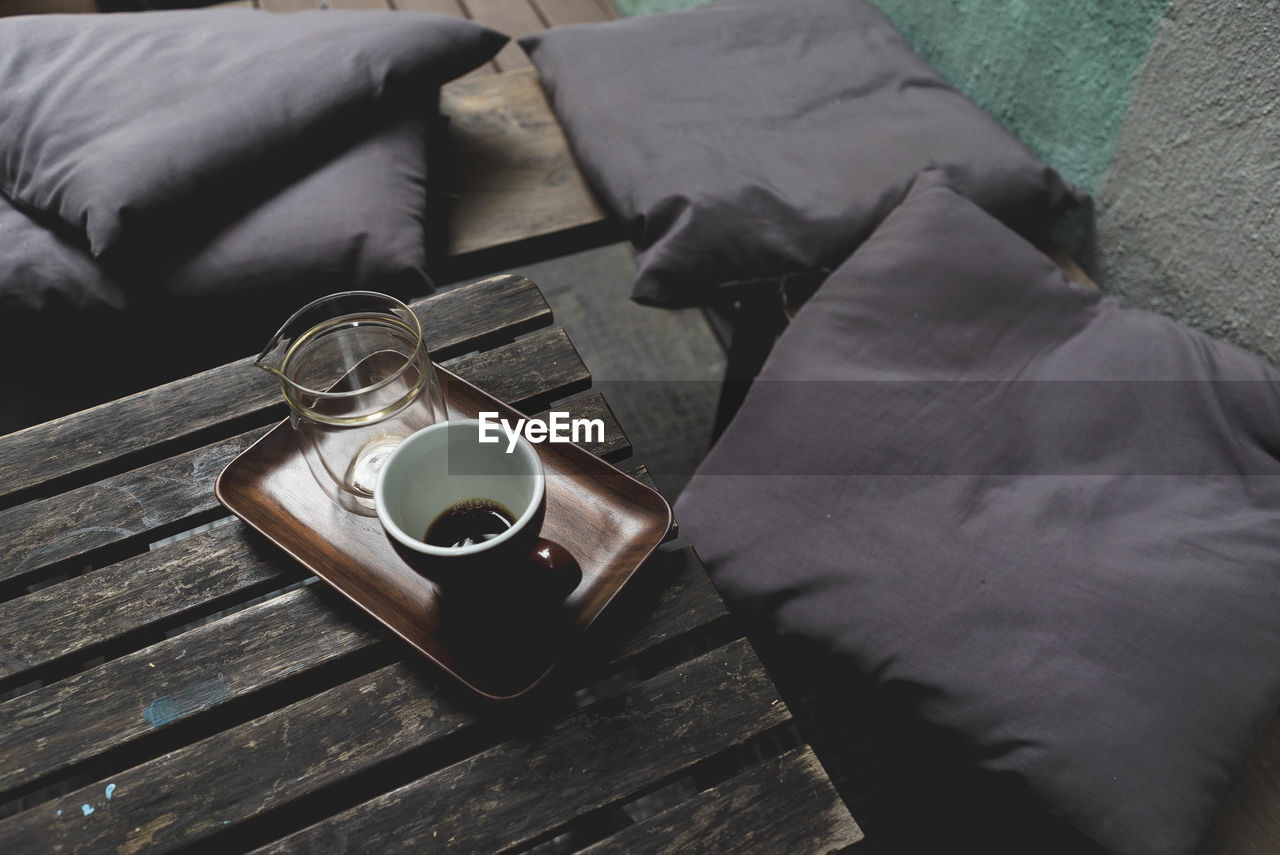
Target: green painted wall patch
<point>1059,75</point>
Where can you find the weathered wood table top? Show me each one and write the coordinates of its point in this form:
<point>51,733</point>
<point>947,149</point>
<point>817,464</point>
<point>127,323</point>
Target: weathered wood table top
<point>171,680</point>
<point>202,692</point>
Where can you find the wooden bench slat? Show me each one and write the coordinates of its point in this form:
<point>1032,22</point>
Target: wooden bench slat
<point>607,752</point>
<point>162,585</point>
<point>115,704</point>
<point>451,326</point>
<point>137,502</point>
<point>561,12</point>
<point>784,804</point>
<point>439,7</point>
<point>288,5</point>
<point>516,178</point>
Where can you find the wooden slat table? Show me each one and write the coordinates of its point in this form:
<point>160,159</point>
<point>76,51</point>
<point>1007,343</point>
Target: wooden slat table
<point>204,693</point>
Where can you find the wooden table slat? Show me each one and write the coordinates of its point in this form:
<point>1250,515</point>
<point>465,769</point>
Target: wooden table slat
<point>115,704</point>
<point>501,799</point>
<point>784,804</point>
<point>439,7</point>
<point>286,756</point>
<point>615,445</point>
<point>679,596</point>
<point>125,699</point>
<point>64,527</point>
<point>249,769</point>
<point>451,325</point>
<point>135,503</point>
<point>254,767</point>
<point>156,587</point>
<point>533,371</point>
<point>161,585</point>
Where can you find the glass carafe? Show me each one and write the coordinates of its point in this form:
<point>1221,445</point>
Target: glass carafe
<point>358,379</point>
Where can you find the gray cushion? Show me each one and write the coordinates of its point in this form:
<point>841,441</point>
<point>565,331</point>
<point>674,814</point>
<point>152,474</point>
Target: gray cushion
<point>134,128</point>
<point>749,140</point>
<point>1047,522</point>
<point>197,154</point>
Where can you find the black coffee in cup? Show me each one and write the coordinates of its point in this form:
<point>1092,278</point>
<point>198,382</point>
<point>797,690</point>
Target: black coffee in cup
<point>467,523</point>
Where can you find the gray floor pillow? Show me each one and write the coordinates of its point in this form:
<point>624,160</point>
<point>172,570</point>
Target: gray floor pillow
<point>1046,521</point>
<point>748,140</point>
<point>136,128</point>
<point>205,153</point>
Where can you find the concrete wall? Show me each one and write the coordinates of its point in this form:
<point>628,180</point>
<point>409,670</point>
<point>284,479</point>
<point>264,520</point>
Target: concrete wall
<point>1168,112</point>
<point>1186,221</point>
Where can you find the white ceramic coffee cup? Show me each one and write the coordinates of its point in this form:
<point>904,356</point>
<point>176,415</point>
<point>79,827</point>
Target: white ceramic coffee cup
<point>444,464</point>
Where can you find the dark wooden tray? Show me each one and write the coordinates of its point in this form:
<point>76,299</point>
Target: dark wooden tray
<point>608,520</point>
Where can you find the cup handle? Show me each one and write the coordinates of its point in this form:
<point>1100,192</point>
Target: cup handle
<point>558,564</point>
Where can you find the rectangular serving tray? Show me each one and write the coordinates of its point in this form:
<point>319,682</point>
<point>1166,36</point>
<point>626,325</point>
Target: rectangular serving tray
<point>608,520</point>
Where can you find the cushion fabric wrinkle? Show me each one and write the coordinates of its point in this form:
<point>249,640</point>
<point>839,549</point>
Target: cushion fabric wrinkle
<point>326,227</point>
<point>42,271</point>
